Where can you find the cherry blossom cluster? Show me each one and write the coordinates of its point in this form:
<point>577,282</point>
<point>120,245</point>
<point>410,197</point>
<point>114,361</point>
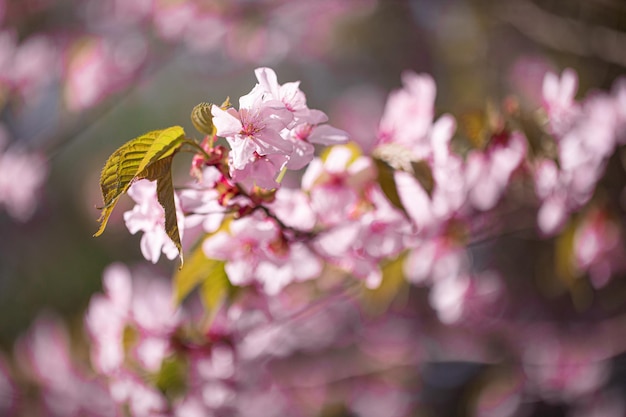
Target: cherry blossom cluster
<point>349,270</point>
<point>340,215</point>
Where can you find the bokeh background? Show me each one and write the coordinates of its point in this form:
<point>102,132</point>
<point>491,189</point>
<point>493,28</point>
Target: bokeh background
<point>79,78</point>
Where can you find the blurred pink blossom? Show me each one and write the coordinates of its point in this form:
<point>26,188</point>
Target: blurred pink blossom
<point>22,175</point>
<point>488,172</point>
<point>599,247</point>
<point>143,305</point>
<point>559,98</point>
<point>44,354</point>
<point>97,67</point>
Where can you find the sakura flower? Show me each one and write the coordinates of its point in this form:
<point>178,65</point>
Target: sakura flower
<point>20,197</point>
<point>378,234</point>
<point>450,184</point>
<point>106,319</point>
<point>435,259</point>
<point>584,142</point>
<point>97,67</point>
<point>304,135</point>
<point>261,171</point>
<point>243,248</point>
<point>141,399</point>
<point>254,251</point>
<point>200,202</point>
<point>335,183</point>
<point>384,227</point>
<point>558,98</point>
<point>291,96</point>
<point>149,216</point>
<point>298,263</point>
<point>156,318</point>
<point>254,128</point>
<point>293,209</point>
<point>598,247</point>
<point>44,355</point>
<point>139,304</point>
<point>407,135</point>
<point>465,297</point>
<point>306,128</point>
<point>488,172</point>
<point>564,368</point>
<point>409,114</point>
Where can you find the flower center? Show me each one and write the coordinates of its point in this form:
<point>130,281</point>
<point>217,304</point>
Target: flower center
<point>250,129</point>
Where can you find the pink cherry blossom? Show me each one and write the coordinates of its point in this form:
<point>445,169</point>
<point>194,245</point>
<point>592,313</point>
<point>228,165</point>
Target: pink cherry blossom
<point>450,188</point>
<point>456,297</point>
<point>20,198</point>
<point>293,209</point>
<point>143,304</point>
<point>435,259</point>
<point>141,399</point>
<point>584,141</point>
<point>243,248</point>
<point>334,184</point>
<point>261,171</point>
<point>44,354</point>
<point>304,135</point>
<point>98,67</point>
<point>254,252</point>
<point>564,368</point>
<point>558,98</point>
<point>106,319</point>
<point>306,127</point>
<point>598,247</point>
<point>291,96</point>
<point>409,114</point>
<point>148,216</point>
<point>200,202</point>
<point>254,128</point>
<point>488,172</point>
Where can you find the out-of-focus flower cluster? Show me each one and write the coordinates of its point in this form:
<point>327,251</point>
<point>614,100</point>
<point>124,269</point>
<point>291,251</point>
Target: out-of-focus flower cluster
<point>355,289</point>
<point>103,47</point>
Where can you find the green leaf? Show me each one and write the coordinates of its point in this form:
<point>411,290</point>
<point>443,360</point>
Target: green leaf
<point>215,287</point>
<point>200,270</point>
<point>387,183</point>
<point>424,175</point>
<point>149,156</point>
<point>392,157</point>
<point>172,377</point>
<point>165,196</point>
<point>393,286</point>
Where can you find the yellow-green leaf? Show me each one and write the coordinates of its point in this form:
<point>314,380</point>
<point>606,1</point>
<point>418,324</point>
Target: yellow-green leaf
<point>215,287</point>
<point>148,156</point>
<point>387,183</point>
<point>200,270</point>
<point>164,144</point>
<point>393,285</point>
<point>424,175</point>
<point>162,173</point>
<point>202,119</point>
